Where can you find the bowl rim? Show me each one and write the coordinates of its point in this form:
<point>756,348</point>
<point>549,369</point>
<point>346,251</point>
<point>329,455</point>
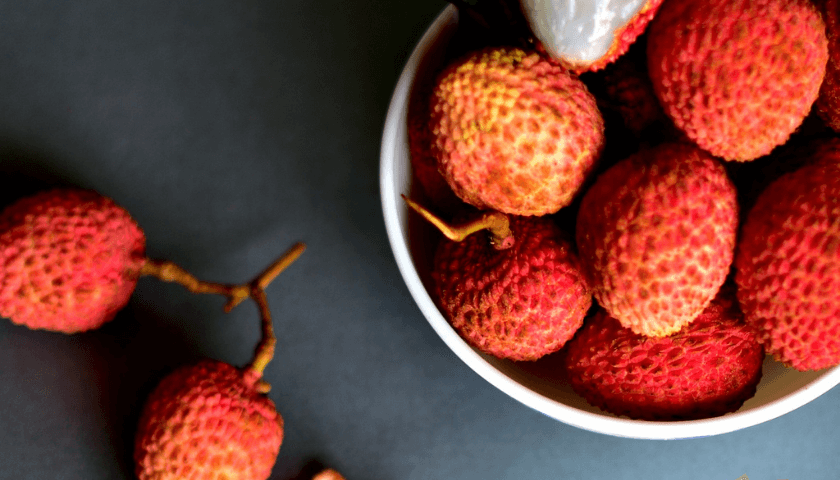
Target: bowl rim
<point>600,423</point>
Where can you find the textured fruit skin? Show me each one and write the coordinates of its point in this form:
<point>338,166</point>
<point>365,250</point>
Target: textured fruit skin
<point>828,102</point>
<point>656,235</point>
<point>738,77</point>
<point>788,264</point>
<point>707,369</point>
<point>513,131</point>
<point>207,421</point>
<point>70,260</point>
<point>629,91</point>
<point>519,303</point>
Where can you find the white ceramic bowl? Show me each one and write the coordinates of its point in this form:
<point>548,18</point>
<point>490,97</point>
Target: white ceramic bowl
<point>536,384</point>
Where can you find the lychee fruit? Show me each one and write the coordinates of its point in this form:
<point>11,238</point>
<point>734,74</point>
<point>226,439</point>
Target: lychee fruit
<point>828,101</point>
<point>586,36</point>
<point>208,421</point>
<point>629,90</point>
<point>211,420</point>
<point>513,131</point>
<point>656,234</point>
<point>519,295</point>
<point>623,88</point>
<point>788,263</point>
<point>738,77</point>
<point>70,260</point>
<point>707,369</point>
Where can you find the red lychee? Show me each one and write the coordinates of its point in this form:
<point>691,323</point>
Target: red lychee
<point>70,260</point>
<point>656,235</point>
<point>208,421</point>
<point>788,263</point>
<point>707,369</point>
<point>520,297</point>
<point>513,131</point>
<point>737,76</point>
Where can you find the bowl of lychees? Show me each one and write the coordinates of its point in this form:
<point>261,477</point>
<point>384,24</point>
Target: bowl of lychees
<point>626,216</point>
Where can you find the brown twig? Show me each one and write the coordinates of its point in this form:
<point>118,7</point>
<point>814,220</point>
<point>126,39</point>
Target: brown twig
<point>497,225</point>
<point>170,272</point>
<point>265,349</point>
<point>255,289</point>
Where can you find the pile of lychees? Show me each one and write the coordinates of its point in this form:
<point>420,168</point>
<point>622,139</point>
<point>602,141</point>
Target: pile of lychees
<point>71,259</point>
<point>662,213</point>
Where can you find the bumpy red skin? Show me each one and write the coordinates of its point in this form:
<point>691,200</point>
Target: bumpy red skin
<point>788,264</point>
<point>738,77</point>
<point>828,102</point>
<point>70,260</point>
<point>206,420</point>
<point>707,369</point>
<point>656,235</point>
<point>514,132</point>
<point>520,303</point>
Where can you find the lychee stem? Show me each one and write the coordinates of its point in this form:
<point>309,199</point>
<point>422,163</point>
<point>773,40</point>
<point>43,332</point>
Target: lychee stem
<point>269,274</point>
<point>497,225</point>
<point>265,349</point>
<point>168,271</point>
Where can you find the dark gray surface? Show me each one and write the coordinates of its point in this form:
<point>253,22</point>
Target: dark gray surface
<point>232,129</point>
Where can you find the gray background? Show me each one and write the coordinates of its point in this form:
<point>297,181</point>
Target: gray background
<point>232,129</point>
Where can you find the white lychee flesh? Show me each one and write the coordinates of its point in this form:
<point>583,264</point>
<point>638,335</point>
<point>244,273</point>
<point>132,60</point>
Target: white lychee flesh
<point>579,31</point>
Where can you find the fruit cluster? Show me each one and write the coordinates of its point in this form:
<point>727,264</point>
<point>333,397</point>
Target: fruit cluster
<point>662,217</point>
<point>71,259</point>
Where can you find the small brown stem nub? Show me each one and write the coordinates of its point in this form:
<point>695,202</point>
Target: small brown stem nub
<point>497,225</point>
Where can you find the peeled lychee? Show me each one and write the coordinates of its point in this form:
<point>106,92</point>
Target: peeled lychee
<point>513,131</point>
<point>828,102</point>
<point>707,369</point>
<point>788,263</point>
<point>208,421</point>
<point>737,76</point>
<point>520,296</point>
<point>70,260</point>
<point>588,35</point>
<point>656,235</point>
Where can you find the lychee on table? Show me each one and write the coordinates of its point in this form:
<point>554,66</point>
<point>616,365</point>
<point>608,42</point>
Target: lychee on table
<point>71,259</point>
